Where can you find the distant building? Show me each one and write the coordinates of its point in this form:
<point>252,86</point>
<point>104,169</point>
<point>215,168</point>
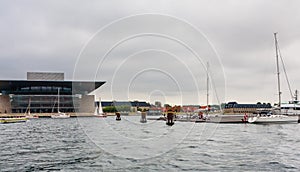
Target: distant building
<point>157,104</point>
<point>133,105</point>
<point>234,107</point>
<point>190,108</point>
<point>40,93</point>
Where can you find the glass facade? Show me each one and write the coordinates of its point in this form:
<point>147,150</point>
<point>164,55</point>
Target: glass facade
<point>44,103</point>
<point>42,96</point>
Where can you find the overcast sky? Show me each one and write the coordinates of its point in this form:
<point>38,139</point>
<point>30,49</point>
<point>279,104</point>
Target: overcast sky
<point>156,50</point>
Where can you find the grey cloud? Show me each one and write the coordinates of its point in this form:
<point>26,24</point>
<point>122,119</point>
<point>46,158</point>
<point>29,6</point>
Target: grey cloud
<point>49,35</point>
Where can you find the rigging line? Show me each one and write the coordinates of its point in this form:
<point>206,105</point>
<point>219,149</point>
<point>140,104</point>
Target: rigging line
<point>285,73</point>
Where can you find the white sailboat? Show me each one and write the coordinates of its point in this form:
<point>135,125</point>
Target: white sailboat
<point>28,115</point>
<point>99,110</point>
<point>273,119</point>
<point>59,114</point>
<point>276,115</point>
<point>205,118</point>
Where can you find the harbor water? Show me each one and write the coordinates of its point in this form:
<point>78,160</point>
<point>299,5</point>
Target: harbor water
<point>104,144</point>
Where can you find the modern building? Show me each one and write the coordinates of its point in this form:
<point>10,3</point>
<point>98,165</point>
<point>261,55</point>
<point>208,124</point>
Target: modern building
<point>42,91</point>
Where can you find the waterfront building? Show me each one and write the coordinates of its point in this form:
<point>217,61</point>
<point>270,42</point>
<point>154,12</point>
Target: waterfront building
<point>40,93</point>
<point>234,107</point>
<point>191,108</point>
<point>123,105</point>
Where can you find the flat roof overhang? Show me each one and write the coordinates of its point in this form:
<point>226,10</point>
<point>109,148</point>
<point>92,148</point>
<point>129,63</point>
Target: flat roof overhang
<point>77,86</point>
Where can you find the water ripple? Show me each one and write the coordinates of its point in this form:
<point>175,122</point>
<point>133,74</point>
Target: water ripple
<point>48,145</point>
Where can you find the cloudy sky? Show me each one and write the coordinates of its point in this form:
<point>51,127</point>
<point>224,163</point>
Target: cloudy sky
<point>156,50</point>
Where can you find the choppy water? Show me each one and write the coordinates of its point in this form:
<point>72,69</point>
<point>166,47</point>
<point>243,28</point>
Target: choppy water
<point>96,144</point>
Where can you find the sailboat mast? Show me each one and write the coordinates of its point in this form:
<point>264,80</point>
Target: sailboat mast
<point>58,100</point>
<point>29,104</point>
<point>207,87</point>
<point>278,73</point>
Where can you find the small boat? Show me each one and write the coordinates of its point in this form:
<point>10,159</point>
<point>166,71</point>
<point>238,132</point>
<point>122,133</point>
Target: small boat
<point>59,114</point>
<point>99,111</point>
<point>12,120</point>
<point>101,116</point>
<point>31,116</point>
<point>28,115</point>
<point>273,119</point>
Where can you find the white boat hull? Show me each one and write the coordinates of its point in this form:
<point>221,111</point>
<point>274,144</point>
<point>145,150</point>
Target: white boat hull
<point>273,119</point>
<point>237,118</point>
<point>60,115</point>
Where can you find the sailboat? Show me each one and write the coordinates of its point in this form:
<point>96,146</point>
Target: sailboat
<point>205,118</point>
<point>99,111</point>
<point>59,114</point>
<point>276,115</point>
<point>28,115</point>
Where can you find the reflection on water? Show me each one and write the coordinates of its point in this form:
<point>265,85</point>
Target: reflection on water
<point>89,144</point>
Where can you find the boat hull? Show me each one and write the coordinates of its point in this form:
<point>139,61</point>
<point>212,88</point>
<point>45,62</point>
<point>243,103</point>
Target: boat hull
<point>60,116</point>
<point>12,120</point>
<point>238,118</point>
<point>273,119</point>
<point>101,116</point>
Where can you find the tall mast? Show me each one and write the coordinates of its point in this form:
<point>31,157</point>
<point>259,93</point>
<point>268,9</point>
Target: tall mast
<point>278,73</point>
<point>29,104</point>
<point>207,88</point>
<point>58,100</point>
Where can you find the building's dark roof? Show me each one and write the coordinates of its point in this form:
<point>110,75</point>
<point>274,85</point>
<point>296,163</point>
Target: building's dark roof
<point>76,86</point>
<point>124,103</point>
<point>141,104</point>
<point>236,105</point>
<point>104,104</point>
